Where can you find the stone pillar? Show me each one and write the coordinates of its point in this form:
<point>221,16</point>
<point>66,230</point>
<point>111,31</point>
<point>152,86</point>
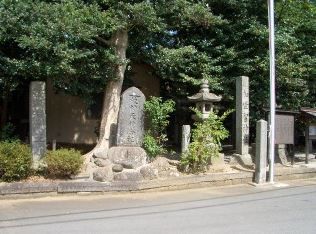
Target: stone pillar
<point>242,115</point>
<point>242,119</point>
<point>185,138</point>
<point>37,112</point>
<point>261,152</point>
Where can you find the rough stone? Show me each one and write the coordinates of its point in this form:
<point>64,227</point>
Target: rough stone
<point>117,168</point>
<point>37,100</point>
<point>171,172</point>
<point>130,130</point>
<point>149,172</point>
<point>161,164</point>
<point>128,157</point>
<point>261,152</point>
<point>164,168</point>
<point>103,174</point>
<point>102,162</point>
<point>128,176</point>
<point>100,154</point>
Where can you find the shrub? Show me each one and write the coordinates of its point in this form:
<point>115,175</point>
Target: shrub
<point>206,142</point>
<point>15,161</point>
<point>157,113</point>
<point>152,147</point>
<point>63,163</point>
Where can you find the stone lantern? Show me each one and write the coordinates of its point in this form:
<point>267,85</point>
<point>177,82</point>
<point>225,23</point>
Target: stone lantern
<point>204,101</point>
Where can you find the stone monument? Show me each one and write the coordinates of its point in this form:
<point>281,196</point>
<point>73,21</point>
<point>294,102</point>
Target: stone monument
<point>37,97</point>
<point>242,120</point>
<point>130,131</point>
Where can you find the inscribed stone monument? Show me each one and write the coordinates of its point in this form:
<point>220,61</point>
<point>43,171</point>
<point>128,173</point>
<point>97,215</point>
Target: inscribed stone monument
<point>130,131</point>
<point>37,119</point>
<point>242,119</point>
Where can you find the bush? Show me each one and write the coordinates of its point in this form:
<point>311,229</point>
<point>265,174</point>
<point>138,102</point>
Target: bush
<point>157,113</point>
<point>152,147</point>
<point>206,142</point>
<point>15,161</point>
<point>63,163</point>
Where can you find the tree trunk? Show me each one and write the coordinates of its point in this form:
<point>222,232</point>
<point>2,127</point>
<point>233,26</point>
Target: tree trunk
<point>112,92</point>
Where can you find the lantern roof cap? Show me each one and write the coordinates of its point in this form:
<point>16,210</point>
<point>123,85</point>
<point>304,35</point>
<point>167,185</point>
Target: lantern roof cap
<point>204,94</point>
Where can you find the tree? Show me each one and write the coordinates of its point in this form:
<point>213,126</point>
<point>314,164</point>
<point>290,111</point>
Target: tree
<point>68,40</point>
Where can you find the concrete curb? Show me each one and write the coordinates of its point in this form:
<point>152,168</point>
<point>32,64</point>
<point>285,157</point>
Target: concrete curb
<point>189,181</point>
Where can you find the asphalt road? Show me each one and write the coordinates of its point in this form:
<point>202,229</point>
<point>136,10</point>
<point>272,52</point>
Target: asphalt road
<point>233,209</point>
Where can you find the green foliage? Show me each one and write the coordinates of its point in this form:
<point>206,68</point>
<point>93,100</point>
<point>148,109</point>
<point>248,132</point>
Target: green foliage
<point>152,147</point>
<point>206,142</point>
<point>7,133</point>
<point>15,161</point>
<point>63,163</point>
<point>157,114</point>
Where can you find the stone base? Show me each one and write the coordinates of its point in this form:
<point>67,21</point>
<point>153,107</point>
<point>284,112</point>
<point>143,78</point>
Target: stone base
<point>244,160</point>
<point>129,157</point>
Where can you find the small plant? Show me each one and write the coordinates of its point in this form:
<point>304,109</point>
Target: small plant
<point>15,161</point>
<point>157,113</point>
<point>63,163</point>
<point>152,147</point>
<point>206,142</point>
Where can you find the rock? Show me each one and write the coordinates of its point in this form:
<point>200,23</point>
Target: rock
<point>103,174</point>
<point>102,162</point>
<point>128,157</point>
<point>161,164</point>
<point>171,172</point>
<point>117,168</point>
<point>100,154</point>
<point>128,176</point>
<point>174,162</point>
<point>149,172</point>
<point>164,168</point>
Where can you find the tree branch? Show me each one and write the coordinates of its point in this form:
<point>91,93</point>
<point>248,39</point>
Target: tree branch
<point>103,41</point>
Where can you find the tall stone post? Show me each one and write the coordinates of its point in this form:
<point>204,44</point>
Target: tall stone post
<point>242,119</point>
<point>37,111</point>
<point>185,138</point>
<point>261,152</point>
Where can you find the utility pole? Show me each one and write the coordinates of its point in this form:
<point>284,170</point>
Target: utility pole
<point>272,90</point>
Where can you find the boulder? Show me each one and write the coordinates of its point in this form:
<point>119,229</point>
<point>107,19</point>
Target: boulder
<point>99,153</point>
<point>103,174</point>
<point>161,164</point>
<point>129,157</point>
<point>117,168</point>
<point>149,172</point>
<point>128,176</point>
<point>164,168</point>
<point>100,162</point>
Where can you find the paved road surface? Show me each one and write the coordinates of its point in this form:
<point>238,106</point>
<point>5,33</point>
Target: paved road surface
<point>233,209</point>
